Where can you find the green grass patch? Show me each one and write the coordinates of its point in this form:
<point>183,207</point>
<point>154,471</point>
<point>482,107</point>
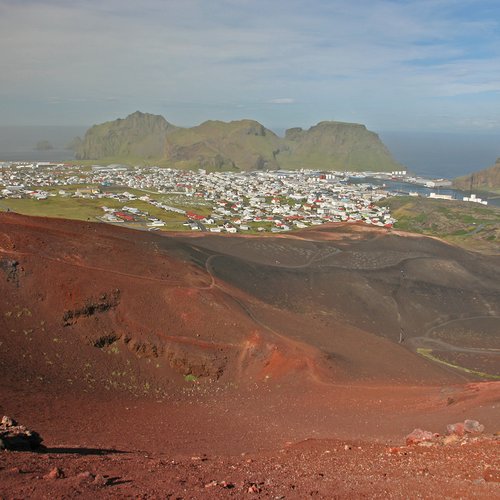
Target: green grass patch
<point>68,208</point>
<point>460,232</point>
<point>453,220</point>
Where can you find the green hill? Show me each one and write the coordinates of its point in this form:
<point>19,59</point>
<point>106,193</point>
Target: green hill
<point>239,145</point>
<point>243,144</point>
<point>138,136</point>
<point>336,146</point>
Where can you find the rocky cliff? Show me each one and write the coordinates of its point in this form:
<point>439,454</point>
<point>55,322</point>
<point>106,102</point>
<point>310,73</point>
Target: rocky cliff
<point>139,136</point>
<point>487,179</point>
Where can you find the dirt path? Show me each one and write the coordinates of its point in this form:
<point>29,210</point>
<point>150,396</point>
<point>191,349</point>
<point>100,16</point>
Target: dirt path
<point>423,342</point>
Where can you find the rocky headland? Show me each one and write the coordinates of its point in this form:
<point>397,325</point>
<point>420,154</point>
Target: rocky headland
<point>487,179</point>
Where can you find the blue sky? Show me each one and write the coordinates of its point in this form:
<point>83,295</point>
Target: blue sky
<point>414,65</point>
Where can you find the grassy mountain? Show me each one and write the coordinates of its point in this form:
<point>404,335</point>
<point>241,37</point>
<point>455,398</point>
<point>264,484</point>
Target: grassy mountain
<point>243,144</point>
<point>336,146</point>
<point>240,145</point>
<point>487,179</point>
<point>138,136</point>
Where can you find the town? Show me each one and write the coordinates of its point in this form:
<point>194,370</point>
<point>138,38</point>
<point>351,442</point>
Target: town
<point>275,201</point>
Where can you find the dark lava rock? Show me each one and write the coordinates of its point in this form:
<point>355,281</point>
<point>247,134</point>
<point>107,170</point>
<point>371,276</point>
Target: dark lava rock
<point>17,437</point>
<point>11,269</point>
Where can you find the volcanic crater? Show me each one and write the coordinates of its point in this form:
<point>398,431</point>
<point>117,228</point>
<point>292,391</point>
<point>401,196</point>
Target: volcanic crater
<point>340,332</point>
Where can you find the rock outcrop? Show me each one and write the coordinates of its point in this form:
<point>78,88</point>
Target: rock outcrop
<point>456,433</point>
<point>17,437</point>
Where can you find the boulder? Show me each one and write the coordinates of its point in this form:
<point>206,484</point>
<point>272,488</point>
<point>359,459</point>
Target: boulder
<point>418,436</point>
<point>457,429</point>
<point>473,427</point>
<point>17,437</point>
<point>466,427</point>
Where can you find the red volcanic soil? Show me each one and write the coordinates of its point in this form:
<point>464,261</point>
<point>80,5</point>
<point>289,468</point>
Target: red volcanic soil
<point>212,366</point>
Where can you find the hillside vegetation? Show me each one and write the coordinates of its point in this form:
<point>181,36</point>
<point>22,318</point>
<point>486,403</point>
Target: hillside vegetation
<point>468,225</point>
<point>236,145</point>
<point>140,135</point>
<point>243,144</point>
<point>337,146</point>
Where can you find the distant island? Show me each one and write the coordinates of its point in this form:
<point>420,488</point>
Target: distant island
<point>74,144</point>
<point>43,146</point>
<point>237,145</point>
<point>487,179</point>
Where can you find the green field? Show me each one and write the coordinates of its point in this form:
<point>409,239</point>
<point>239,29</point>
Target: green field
<point>69,207</point>
<point>83,209</point>
<point>90,209</point>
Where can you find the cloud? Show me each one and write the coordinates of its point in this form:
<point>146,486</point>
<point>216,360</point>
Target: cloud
<point>78,100</point>
<point>282,100</point>
<point>372,60</point>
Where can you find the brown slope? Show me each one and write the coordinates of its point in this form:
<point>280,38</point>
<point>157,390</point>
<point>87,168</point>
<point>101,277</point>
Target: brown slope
<point>412,290</point>
<point>113,309</point>
<point>270,373</point>
<point>231,308</point>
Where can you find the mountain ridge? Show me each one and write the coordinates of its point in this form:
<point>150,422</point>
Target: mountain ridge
<point>242,144</point>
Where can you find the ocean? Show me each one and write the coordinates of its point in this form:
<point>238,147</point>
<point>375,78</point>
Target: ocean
<point>443,155</point>
<point>19,143</point>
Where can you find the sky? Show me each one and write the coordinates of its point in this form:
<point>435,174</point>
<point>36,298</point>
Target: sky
<point>405,65</point>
